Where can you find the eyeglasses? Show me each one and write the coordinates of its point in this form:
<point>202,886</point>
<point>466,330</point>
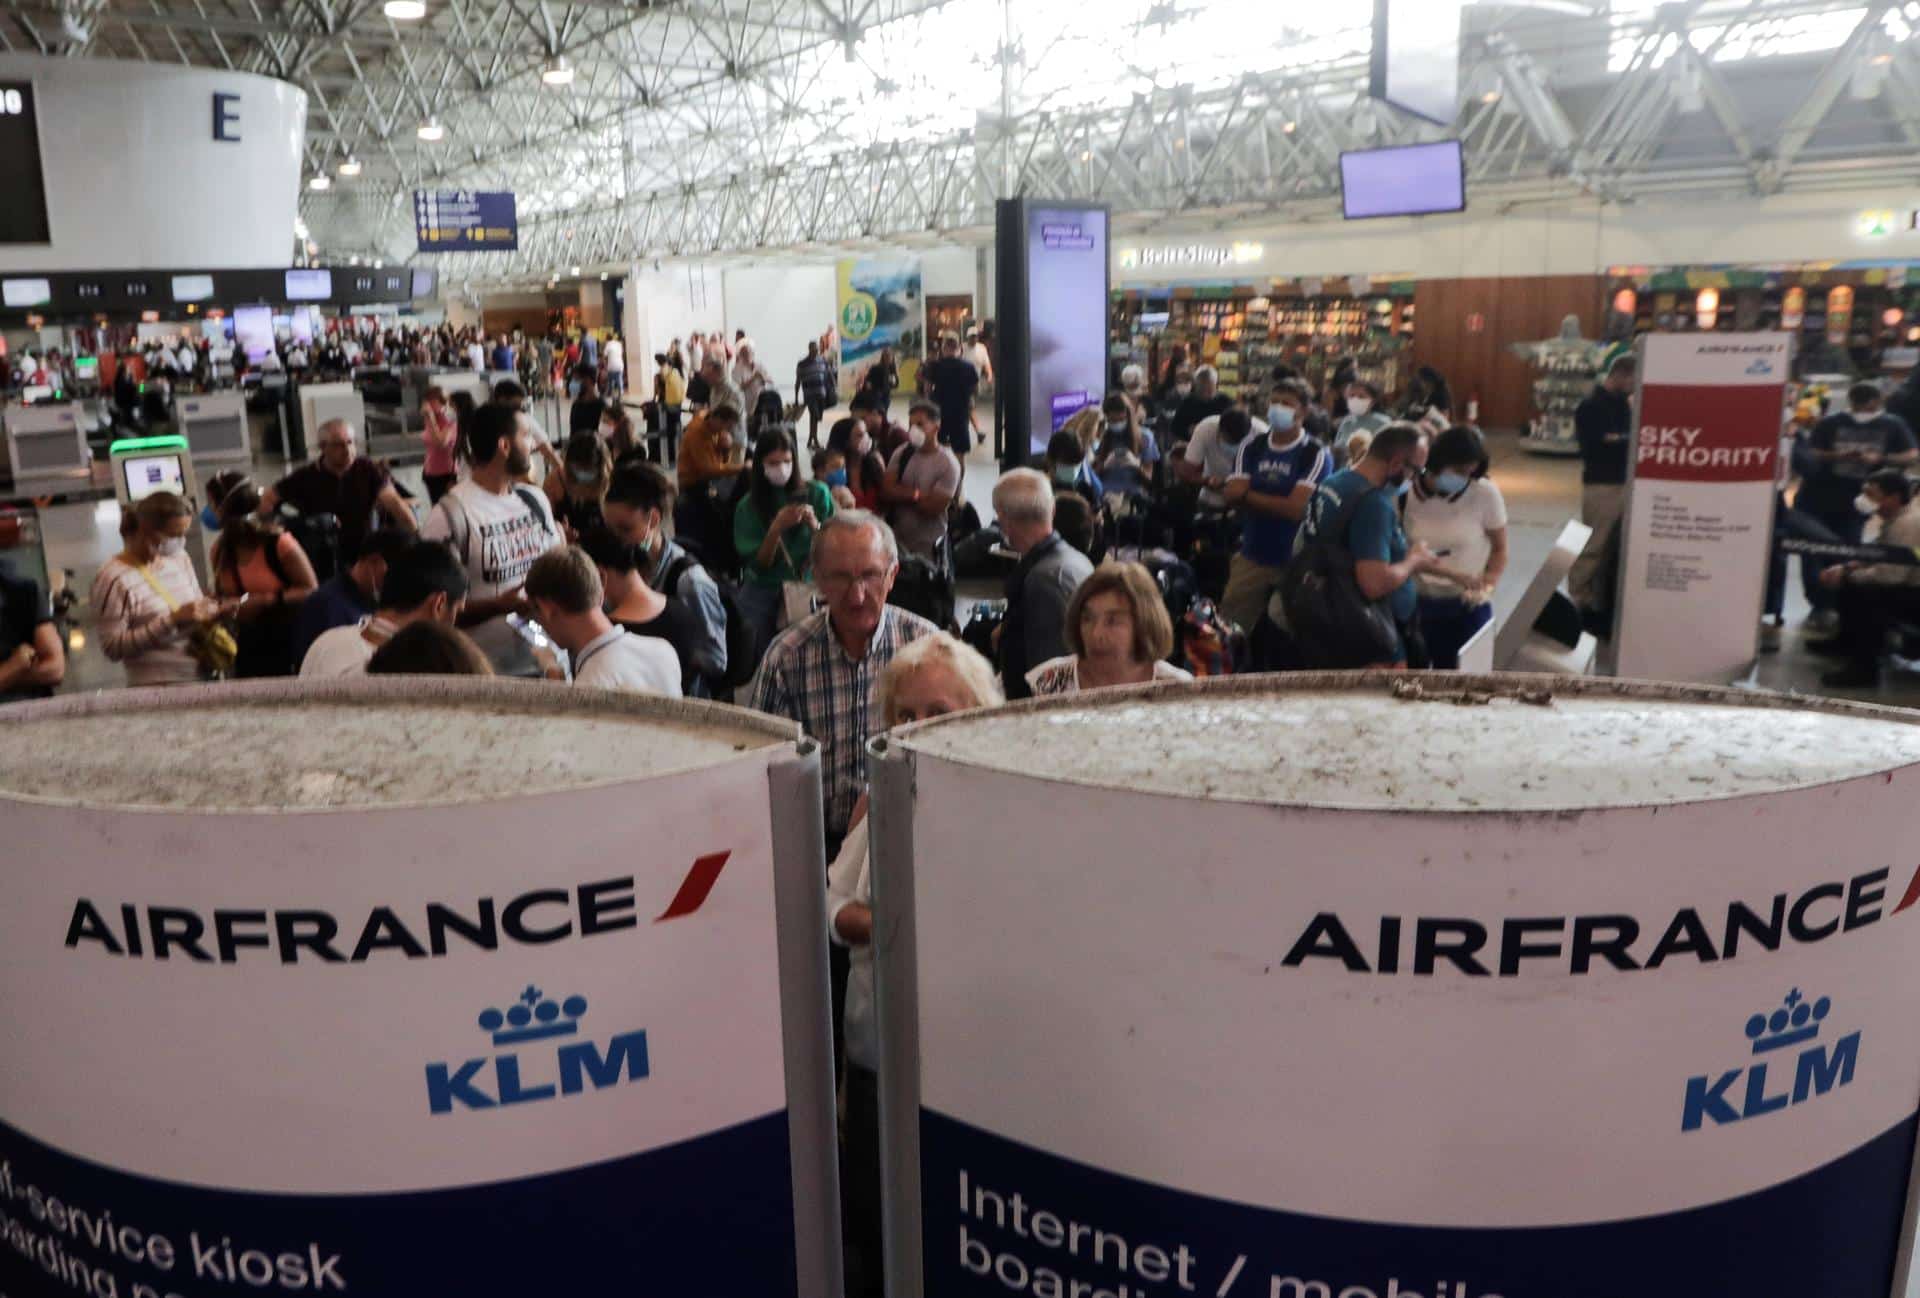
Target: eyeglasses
<point>839,582</point>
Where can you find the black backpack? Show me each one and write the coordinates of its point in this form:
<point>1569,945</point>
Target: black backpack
<point>1333,623</point>
<point>1179,584</point>
<point>743,654</point>
<point>319,537</point>
<point>924,587</point>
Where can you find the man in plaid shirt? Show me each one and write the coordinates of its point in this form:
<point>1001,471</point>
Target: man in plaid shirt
<point>822,671</point>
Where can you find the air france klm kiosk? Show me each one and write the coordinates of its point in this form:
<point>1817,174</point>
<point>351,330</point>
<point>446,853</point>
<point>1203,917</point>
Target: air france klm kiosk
<point>145,465</point>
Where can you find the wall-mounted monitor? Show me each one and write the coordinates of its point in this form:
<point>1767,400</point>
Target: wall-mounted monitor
<point>253,331</point>
<point>25,292</point>
<point>423,283</point>
<point>309,285</point>
<point>192,288</point>
<point>23,196</point>
<point>1407,180</point>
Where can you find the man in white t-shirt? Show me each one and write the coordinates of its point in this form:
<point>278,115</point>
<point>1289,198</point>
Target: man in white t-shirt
<point>477,356</point>
<point>423,583</point>
<point>1213,451</point>
<point>615,353</point>
<point>497,527</point>
<point>565,590</point>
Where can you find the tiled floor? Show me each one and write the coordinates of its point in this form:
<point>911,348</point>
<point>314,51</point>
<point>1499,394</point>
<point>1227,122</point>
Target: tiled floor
<point>1542,493</point>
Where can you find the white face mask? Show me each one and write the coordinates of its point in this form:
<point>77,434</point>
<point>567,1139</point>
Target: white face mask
<point>1865,416</point>
<point>169,546</point>
<point>778,474</point>
<point>1359,405</point>
<point>916,437</point>
<point>1864,505</point>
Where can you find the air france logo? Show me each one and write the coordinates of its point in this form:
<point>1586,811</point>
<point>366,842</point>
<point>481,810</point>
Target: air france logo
<point>1816,1069</point>
<point>571,1068</point>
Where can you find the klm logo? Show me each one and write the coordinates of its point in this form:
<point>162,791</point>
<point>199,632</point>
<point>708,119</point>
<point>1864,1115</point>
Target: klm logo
<point>1749,1092</point>
<point>573,1066</point>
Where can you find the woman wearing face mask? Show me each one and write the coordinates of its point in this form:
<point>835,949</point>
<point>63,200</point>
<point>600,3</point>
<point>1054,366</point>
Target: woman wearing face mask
<point>866,468</point>
<point>1364,415</point>
<point>934,676</point>
<point>147,602</point>
<point>261,560</point>
<point>773,528</point>
<point>580,488</point>
<point>1458,512</point>
<point>1117,632</point>
<point>1125,454</point>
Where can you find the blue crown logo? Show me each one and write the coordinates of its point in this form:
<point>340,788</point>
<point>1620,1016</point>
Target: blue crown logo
<point>533,1018</point>
<point>1761,366</point>
<point>1795,1021</point>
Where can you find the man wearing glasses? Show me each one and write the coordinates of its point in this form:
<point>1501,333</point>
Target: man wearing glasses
<point>821,671</point>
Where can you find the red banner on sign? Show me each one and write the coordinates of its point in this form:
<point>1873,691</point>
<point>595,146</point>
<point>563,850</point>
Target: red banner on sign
<point>1707,434</point>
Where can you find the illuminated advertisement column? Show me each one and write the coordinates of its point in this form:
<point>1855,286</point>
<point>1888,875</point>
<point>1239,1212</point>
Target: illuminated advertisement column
<point>1698,529</point>
<point>1053,305</point>
<point>526,997</point>
<point>1154,1023</point>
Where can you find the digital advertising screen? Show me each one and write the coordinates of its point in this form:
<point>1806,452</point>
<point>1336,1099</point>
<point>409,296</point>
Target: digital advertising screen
<point>1067,316</point>
<point>253,331</point>
<point>309,285</point>
<point>1408,180</point>
<point>423,283</point>
<point>23,184</point>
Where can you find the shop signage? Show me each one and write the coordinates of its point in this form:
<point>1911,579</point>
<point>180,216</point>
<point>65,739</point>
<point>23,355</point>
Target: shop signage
<point>1191,254</point>
<point>1698,526</point>
<point>1884,223</point>
<point>226,118</point>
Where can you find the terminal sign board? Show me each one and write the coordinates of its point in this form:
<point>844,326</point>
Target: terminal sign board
<point>465,220</point>
<point>23,196</point>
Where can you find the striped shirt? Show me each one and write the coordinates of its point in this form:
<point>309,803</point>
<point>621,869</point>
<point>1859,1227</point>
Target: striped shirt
<point>808,677</point>
<point>135,622</point>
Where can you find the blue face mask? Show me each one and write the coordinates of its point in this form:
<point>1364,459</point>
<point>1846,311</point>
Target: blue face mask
<point>209,519</point>
<point>1451,484</point>
<point>1403,486</point>
<point>838,478</point>
<point>1280,417</point>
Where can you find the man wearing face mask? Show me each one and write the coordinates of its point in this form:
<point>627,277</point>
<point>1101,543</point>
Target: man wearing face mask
<point>1384,565</point>
<point>1871,597</point>
<point>497,527</point>
<point>1840,454</point>
<point>921,480</point>
<point>1271,485</point>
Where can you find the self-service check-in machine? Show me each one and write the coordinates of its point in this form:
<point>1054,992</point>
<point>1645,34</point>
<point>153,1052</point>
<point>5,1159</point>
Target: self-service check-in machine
<point>45,446</point>
<point>215,426</point>
<point>145,465</point>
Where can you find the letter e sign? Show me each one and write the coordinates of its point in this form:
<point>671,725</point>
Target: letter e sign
<point>226,117</point>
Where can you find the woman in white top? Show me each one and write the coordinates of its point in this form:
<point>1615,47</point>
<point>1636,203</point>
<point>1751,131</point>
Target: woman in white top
<point>147,602</point>
<point>1459,513</point>
<point>931,677</point>
<point>751,377</point>
<point>1118,629</point>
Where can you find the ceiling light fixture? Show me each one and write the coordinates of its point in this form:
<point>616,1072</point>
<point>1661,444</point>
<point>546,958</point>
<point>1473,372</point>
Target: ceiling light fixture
<point>576,270</point>
<point>1289,128</point>
<point>351,167</point>
<point>1491,97</point>
<point>405,11</point>
<point>318,183</point>
<point>559,72</point>
<point>431,130</point>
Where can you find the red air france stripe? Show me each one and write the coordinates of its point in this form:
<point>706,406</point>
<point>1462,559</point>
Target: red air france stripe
<point>1913,894</point>
<point>693,891</point>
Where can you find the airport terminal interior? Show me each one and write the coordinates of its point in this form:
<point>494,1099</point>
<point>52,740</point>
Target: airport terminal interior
<point>959,647</point>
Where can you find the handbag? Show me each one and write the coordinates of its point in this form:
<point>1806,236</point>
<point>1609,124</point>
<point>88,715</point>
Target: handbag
<point>1331,620</point>
<point>210,643</point>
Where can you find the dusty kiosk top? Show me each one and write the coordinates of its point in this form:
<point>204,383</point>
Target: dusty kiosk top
<point>1443,743</point>
<point>393,742</point>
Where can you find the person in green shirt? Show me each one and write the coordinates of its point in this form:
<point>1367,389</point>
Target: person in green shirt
<point>773,528</point>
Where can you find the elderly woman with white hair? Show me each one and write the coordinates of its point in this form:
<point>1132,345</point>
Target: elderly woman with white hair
<point>931,677</point>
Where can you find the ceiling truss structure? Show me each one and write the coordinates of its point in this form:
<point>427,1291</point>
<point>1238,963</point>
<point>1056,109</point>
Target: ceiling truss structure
<point>692,127</point>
